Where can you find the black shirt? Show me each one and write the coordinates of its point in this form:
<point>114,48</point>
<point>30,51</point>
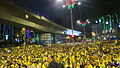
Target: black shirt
<point>54,64</point>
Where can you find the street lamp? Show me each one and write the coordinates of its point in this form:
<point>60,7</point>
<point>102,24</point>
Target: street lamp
<point>63,6</point>
<point>70,4</point>
<point>26,16</point>
<point>88,21</point>
<point>79,3</point>
<point>84,25</point>
<point>107,22</point>
<point>59,0</point>
<point>78,22</point>
<point>96,21</point>
<point>24,32</point>
<point>100,20</point>
<point>110,28</point>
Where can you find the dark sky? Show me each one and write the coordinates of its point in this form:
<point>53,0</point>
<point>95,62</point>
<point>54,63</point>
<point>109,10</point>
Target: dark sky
<point>90,9</point>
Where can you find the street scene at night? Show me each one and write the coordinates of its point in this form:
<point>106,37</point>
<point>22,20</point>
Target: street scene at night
<point>59,34</point>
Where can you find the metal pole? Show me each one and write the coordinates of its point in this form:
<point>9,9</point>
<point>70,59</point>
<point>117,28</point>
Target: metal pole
<point>71,20</point>
<point>24,40</point>
<point>84,33</point>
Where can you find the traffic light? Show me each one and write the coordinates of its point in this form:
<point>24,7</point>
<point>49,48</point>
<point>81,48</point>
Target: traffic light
<point>72,36</point>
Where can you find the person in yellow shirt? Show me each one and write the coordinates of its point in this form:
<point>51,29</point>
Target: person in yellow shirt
<point>68,64</point>
<point>88,65</point>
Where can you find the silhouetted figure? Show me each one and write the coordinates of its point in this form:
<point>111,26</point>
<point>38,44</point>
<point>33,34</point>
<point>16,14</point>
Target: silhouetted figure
<point>53,63</point>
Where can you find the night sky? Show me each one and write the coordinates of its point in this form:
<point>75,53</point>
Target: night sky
<point>90,9</point>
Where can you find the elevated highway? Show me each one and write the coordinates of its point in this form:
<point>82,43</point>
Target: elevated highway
<point>13,15</point>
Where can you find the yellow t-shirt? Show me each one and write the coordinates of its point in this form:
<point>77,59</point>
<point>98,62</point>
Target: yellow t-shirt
<point>89,66</point>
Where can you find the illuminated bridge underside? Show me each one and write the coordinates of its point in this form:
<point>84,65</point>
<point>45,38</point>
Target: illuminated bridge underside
<point>12,15</point>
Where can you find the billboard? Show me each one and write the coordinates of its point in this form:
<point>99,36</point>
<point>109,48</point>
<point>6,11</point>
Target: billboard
<point>69,32</point>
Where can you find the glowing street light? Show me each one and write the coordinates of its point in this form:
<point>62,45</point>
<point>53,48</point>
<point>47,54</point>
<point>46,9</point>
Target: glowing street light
<point>6,37</point>
<point>107,22</point>
<point>27,16</point>
<point>17,35</point>
<point>88,21</point>
<point>78,21</point>
<point>23,29</point>
<point>100,20</point>
<point>59,0</point>
<point>79,3</point>
<point>110,28</point>
<point>63,6</point>
<point>96,21</point>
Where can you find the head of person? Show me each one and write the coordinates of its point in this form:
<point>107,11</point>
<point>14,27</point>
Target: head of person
<point>50,58</point>
<point>88,63</point>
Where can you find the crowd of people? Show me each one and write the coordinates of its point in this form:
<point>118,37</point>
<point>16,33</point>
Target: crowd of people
<point>64,56</point>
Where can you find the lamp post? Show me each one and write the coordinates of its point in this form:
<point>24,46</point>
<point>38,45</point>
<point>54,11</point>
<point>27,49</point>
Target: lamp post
<point>84,32</point>
<point>24,37</point>
<point>84,25</point>
<point>71,20</point>
<point>70,4</point>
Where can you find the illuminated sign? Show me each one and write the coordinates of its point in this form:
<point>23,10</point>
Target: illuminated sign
<point>69,32</point>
